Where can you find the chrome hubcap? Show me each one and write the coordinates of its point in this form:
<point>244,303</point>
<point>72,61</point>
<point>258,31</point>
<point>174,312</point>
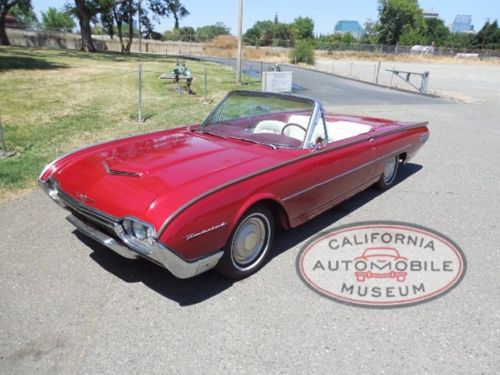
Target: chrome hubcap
<point>249,240</point>
<point>390,170</point>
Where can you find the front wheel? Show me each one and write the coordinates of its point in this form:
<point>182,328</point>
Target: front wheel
<point>390,172</point>
<point>249,244</point>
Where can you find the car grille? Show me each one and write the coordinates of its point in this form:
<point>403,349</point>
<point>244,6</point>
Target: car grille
<point>89,216</point>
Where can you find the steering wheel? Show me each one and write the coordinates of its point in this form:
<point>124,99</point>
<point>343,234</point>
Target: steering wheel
<point>293,124</point>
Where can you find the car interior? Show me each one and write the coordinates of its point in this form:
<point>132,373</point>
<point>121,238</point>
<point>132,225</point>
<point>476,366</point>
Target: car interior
<point>296,127</point>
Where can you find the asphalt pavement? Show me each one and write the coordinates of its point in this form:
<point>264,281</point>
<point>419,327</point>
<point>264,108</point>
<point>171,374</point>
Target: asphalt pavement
<point>70,306</point>
<point>332,89</point>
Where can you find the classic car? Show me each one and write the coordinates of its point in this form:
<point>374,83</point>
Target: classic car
<point>212,194</point>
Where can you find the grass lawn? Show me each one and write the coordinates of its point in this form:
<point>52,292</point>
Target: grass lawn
<point>55,101</point>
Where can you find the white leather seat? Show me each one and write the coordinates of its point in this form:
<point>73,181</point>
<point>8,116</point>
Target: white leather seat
<point>269,126</point>
<point>338,130</point>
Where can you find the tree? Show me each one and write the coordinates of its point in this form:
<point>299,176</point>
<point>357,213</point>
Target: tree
<point>460,40</point>
<point>120,13</point>
<point>108,23</point>
<point>303,52</point>
<point>488,36</point>
<point>348,38</point>
<point>54,19</point>
<point>370,35</point>
<point>283,35</point>
<point>24,16</point>
<point>5,7</point>
<point>177,10</point>
<point>398,16</point>
<point>86,11</point>
<point>266,33</point>
<point>169,8</point>
<point>123,14</point>
<point>186,34</point>
<point>303,28</point>
<point>410,36</point>
<point>208,32</point>
<point>260,34</point>
<point>437,32</point>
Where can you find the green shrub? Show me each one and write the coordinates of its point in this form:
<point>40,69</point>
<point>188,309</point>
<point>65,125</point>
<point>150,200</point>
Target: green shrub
<point>303,52</point>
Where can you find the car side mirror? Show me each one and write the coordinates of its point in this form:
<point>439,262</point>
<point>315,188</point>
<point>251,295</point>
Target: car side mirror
<point>318,144</point>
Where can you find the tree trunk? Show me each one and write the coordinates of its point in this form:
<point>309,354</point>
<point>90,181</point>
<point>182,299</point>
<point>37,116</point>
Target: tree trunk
<point>4,39</point>
<point>120,36</point>
<point>84,18</point>
<point>176,18</point>
<point>130,27</point>
<point>119,28</point>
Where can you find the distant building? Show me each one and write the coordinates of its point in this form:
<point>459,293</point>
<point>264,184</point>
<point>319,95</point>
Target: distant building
<point>462,24</point>
<point>353,27</point>
<point>428,14</point>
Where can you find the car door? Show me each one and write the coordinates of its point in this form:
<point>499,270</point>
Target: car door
<point>331,172</point>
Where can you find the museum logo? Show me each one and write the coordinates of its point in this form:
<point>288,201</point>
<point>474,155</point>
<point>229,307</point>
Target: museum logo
<point>381,264</point>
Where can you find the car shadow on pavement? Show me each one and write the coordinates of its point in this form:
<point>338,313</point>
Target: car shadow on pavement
<point>198,289</point>
<point>321,222</point>
<point>185,292</point>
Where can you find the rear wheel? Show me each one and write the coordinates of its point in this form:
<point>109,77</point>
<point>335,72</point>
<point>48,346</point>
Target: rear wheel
<point>390,172</point>
<point>249,244</point>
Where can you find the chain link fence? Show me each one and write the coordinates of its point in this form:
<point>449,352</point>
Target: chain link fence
<point>201,45</point>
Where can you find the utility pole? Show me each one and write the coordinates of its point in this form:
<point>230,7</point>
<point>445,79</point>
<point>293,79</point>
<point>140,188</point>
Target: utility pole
<point>240,30</point>
<point>139,26</point>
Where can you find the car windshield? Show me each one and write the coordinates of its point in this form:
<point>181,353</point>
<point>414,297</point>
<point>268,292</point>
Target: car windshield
<point>271,119</point>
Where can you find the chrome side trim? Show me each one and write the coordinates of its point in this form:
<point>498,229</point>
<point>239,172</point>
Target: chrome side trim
<point>265,170</point>
<point>394,153</point>
<point>160,254</point>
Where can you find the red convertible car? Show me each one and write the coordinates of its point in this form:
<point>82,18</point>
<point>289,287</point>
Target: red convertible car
<point>211,195</point>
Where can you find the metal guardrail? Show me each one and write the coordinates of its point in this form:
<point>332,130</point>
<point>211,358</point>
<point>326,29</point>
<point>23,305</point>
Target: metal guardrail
<point>406,76</point>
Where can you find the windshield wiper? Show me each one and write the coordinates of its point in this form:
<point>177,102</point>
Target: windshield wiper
<point>252,141</point>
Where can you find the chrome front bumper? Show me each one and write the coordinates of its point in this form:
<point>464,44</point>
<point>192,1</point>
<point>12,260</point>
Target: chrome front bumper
<point>159,254</point>
<point>107,231</point>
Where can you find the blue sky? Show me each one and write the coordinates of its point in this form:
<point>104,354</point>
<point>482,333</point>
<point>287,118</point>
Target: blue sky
<point>325,13</point>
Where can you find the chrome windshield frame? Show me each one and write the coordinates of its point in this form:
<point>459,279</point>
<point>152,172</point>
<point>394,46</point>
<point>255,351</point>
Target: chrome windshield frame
<point>316,114</point>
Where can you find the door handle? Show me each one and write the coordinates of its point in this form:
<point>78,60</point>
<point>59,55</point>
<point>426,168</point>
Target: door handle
<point>371,140</point>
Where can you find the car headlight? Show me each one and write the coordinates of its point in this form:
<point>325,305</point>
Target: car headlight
<point>53,189</point>
<point>138,233</point>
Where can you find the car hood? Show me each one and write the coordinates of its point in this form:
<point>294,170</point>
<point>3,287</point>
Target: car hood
<point>126,178</point>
